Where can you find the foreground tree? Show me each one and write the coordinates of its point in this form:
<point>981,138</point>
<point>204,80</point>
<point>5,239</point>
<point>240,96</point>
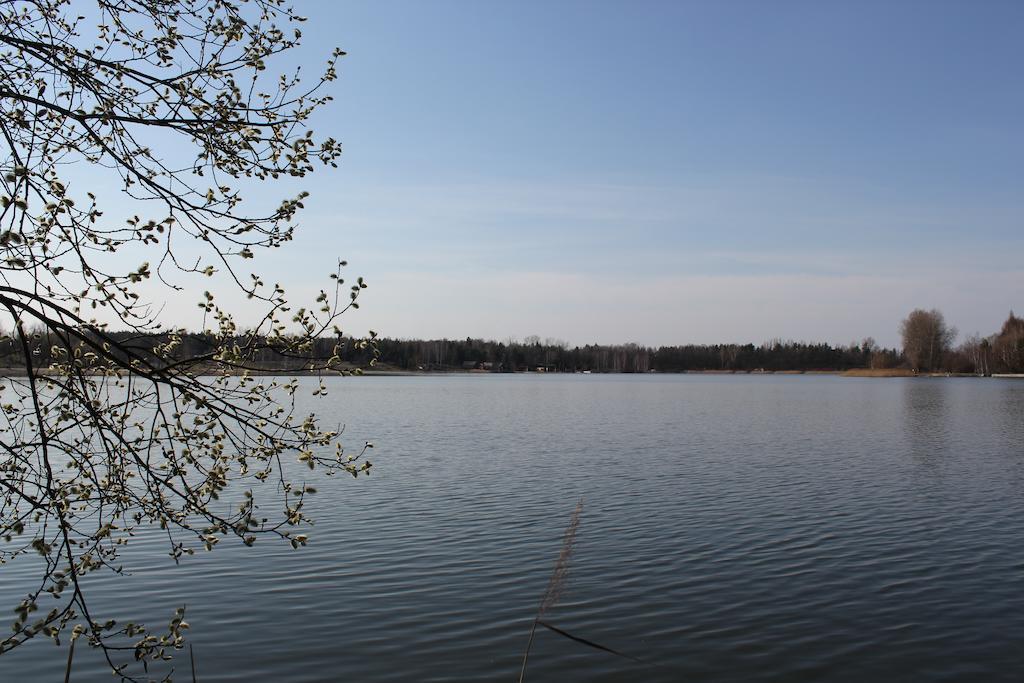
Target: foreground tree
<point>120,431</point>
<point>926,339</point>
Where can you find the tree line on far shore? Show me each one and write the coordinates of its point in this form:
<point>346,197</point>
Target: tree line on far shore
<point>532,354</point>
<point>928,346</point>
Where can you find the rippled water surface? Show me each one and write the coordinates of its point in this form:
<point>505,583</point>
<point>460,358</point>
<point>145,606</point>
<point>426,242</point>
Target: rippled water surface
<point>735,528</point>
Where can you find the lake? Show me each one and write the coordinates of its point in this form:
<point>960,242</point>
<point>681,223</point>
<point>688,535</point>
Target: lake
<point>734,528</point>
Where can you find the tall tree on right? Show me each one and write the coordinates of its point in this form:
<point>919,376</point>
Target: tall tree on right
<point>926,339</point>
<point>1008,345</point>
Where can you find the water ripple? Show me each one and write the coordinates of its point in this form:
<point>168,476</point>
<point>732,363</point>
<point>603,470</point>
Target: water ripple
<point>735,529</point>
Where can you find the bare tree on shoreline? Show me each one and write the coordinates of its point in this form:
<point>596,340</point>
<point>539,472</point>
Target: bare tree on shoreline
<point>926,339</point>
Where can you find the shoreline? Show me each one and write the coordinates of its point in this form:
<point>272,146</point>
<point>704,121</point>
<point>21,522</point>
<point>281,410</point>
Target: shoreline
<point>388,372</point>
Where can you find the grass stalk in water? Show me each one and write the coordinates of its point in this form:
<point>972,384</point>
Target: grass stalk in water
<point>556,584</point>
<point>71,656</point>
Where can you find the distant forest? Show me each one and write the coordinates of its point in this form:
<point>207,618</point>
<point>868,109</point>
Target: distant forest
<point>532,354</point>
<point>1002,352</point>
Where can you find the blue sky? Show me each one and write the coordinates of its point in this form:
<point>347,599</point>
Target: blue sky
<point>670,172</point>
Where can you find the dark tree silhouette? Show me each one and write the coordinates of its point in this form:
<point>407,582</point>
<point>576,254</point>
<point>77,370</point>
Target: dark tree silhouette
<point>114,432</point>
<point>926,339</point>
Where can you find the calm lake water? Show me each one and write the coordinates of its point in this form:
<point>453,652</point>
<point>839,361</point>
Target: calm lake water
<point>735,528</point>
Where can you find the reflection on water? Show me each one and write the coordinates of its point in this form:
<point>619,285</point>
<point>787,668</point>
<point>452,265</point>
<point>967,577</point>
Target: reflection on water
<point>925,414</point>
<point>1008,404</point>
<point>736,528</point>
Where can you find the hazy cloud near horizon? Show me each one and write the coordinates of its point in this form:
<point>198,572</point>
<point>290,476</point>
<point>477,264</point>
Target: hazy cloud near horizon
<point>674,309</point>
<point>669,309</point>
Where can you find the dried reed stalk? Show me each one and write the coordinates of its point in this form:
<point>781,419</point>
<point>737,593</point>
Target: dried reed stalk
<point>71,656</point>
<point>556,584</point>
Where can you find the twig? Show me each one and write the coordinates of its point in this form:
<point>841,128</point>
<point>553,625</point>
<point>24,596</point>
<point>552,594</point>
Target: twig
<point>590,643</point>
